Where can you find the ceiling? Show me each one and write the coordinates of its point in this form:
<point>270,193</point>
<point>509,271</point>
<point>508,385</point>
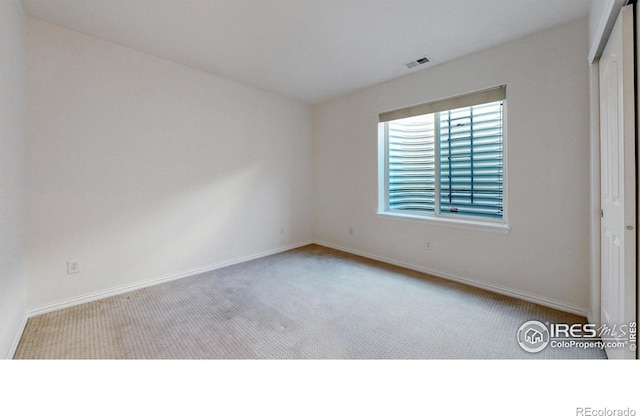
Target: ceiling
<point>309,50</point>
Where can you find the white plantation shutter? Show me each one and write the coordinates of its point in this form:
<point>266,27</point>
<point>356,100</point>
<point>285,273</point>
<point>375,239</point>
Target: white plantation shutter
<point>449,162</point>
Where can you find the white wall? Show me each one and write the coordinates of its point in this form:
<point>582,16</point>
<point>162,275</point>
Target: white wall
<point>545,257</point>
<point>12,114</point>
<point>142,168</point>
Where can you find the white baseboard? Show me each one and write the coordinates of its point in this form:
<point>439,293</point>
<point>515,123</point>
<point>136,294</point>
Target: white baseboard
<point>101,294</point>
<point>503,290</point>
<point>552,303</point>
<point>16,340</point>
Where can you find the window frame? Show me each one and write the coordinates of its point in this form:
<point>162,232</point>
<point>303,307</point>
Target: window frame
<point>438,217</point>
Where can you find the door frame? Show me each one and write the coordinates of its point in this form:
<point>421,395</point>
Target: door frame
<point>604,29</point>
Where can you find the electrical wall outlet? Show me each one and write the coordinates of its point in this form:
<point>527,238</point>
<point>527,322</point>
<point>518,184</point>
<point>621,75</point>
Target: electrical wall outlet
<point>73,266</point>
<point>350,230</point>
<point>427,244</point>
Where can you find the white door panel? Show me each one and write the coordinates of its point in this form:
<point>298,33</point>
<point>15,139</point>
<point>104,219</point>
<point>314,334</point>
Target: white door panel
<point>618,187</point>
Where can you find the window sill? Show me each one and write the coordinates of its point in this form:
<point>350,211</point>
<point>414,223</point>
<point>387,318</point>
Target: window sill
<point>471,225</point>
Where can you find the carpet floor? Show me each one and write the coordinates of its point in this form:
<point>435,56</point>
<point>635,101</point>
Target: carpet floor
<point>308,303</point>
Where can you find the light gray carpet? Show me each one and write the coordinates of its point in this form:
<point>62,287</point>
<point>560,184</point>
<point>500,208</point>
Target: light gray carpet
<point>312,302</point>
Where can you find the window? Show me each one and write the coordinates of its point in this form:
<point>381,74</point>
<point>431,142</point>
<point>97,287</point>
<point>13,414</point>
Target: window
<point>445,159</point>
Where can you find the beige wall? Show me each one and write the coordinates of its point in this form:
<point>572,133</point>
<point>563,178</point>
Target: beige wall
<point>144,169</point>
<point>545,256</point>
<point>12,118</point>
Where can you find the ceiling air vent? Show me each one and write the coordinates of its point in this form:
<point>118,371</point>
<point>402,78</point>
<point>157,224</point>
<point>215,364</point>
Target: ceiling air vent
<point>417,62</point>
